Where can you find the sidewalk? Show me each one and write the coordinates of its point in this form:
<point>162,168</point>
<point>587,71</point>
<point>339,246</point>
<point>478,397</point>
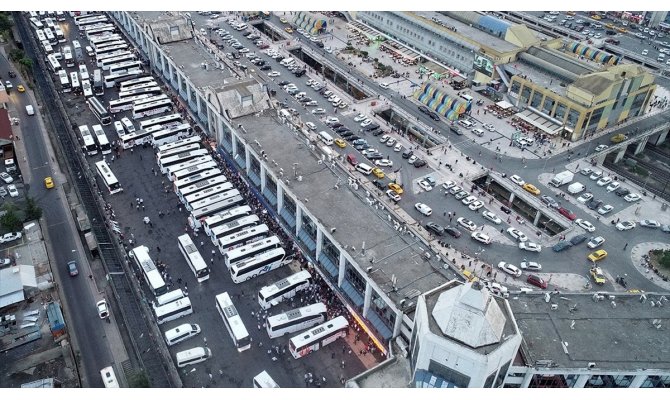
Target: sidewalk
<point>636,256</point>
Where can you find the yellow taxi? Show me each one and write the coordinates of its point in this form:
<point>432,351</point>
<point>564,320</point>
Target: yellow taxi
<point>618,138</point>
<point>378,173</point>
<point>469,275</point>
<point>622,30</point>
<point>340,143</point>
<point>596,17</point>
<point>597,275</point>
<point>288,29</point>
<point>530,188</point>
<point>48,182</point>
<point>597,255</point>
<point>609,25</point>
<point>20,88</point>
<point>572,13</point>
<point>283,20</point>
<point>396,188</point>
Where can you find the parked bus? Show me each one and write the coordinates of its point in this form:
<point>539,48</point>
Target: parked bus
<point>109,378</point>
<point>225,217</point>
<point>60,16</point>
<point>157,107</point>
<point>124,104</point>
<point>36,23</point>
<point>130,89</point>
<point>100,40</point>
<point>207,201</point>
<point>193,258</point>
<point>102,57</point>
<point>48,49</point>
<point>83,72</point>
<point>232,227</point>
<point>168,297</point>
<point>203,194</point>
<point>178,144</point>
<point>124,67</point>
<point>89,146</point>
<point>151,90</point>
<point>53,63</point>
<point>64,81</point>
<point>199,215</point>
<point>166,121</point>
<point>242,238</point>
<point>84,20</point>
<point>74,81</point>
<point>173,310</point>
<point>172,134</point>
<point>284,289</point>
<point>41,37</point>
<point>60,36</point>
<point>129,85</point>
<point>264,380</point>
<point>193,356</point>
<point>149,99</point>
<point>86,88</point>
<point>112,80</point>
<point>233,322</point>
<point>151,274</point>
<point>193,170</point>
<point>177,150</point>
<point>250,250</point>
<point>67,56</point>
<point>137,138</point>
<point>257,265</point>
<point>109,28</point>
<point>318,337</point>
<point>202,185</point>
<point>296,320</point>
<point>109,47</point>
<point>100,137</point>
<point>172,169</point>
<point>100,112</point>
<point>50,37</point>
<point>175,159</point>
<point>196,177</point>
<point>78,53</point>
<point>108,61</point>
<point>98,86</point>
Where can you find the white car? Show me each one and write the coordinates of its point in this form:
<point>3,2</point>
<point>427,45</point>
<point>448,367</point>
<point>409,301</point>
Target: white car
<point>509,268</point>
<point>650,223</point>
<point>384,138</point>
<point>491,216</point>
<point>517,179</point>
<point>596,175</point>
<point>360,118</point>
<point>586,225</point>
<point>5,177</point>
<point>448,185</point>
<point>497,289</point>
<point>310,125</point>
<point>412,159</point>
<point>478,132</point>
<point>625,225</point>
<point>531,266</point>
<point>469,200</point>
<point>332,120</point>
<point>425,185</point>
<point>423,209</point>
<point>398,147</point>
<point>318,111</point>
<point>13,192</point>
<point>595,242</point>
<point>605,180</point>
<point>393,195</point>
<point>476,205</point>
<point>103,311</point>
<point>366,123</point>
<point>605,209</point>
<point>633,197</point>
<point>530,246</point>
<point>391,142</point>
<point>11,236</point>
<point>481,237</point>
<point>384,163</point>
<point>585,197</point>
<point>517,234</point>
<point>601,147</point>
<point>489,127</point>
<point>467,224</point>
<point>613,186</point>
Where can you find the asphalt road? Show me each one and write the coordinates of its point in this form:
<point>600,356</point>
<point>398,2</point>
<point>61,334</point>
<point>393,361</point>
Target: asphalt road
<point>80,311</point>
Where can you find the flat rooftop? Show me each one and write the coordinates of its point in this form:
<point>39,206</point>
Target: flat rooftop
<point>624,335</point>
<point>361,228</point>
<point>465,30</point>
<point>538,76</point>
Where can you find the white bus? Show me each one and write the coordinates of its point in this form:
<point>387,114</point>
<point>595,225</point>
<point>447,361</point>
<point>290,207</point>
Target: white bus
<point>168,297</point>
<point>206,193</point>
<point>100,29</point>
<point>124,104</point>
<point>181,333</point>
<point>132,88</point>
<point>99,111</point>
<point>257,265</point>
<point>173,310</point>
<point>84,20</point>
<point>233,226</point>
<point>233,322</point>
<point>67,56</point>
<point>242,238</point>
<point>318,337</point>
<point>108,178</point>
<point>108,47</point>
<point>129,85</point>
<point>177,150</point>
<point>54,64</point>
<point>98,86</point>
<point>124,67</point>
<point>108,61</point>
<point>109,378</point>
<point>178,143</point>
<point>86,88</point>
<point>36,23</point>
<point>296,320</point>
<point>50,37</point>
<point>49,23</point>
<point>264,380</point>
<point>250,250</point>
<point>60,36</point>
<point>112,80</point>
<point>151,274</point>
<point>193,258</point>
<point>172,134</point>
<point>89,146</point>
<point>207,201</point>
<point>60,16</point>
<point>199,215</point>
<point>194,169</point>
<point>64,81</point>
<point>41,37</point>
<point>166,121</point>
<point>284,289</point>
<point>100,58</point>
<point>83,72</point>
<point>157,107</point>
<point>193,356</point>
<point>149,99</point>
<point>225,217</point>
<point>196,177</point>
<point>100,40</point>
<point>201,185</point>
<point>76,48</point>
<point>100,137</point>
<point>48,49</point>
<point>172,169</point>
<point>136,138</point>
<point>152,90</point>
<point>74,80</point>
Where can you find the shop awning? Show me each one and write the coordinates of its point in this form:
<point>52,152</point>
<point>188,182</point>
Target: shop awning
<point>540,122</point>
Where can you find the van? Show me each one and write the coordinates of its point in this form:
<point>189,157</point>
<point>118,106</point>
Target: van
<point>326,138</point>
<point>364,168</point>
<point>287,61</point>
<point>128,125</point>
<point>89,51</point>
<point>181,333</point>
<point>30,110</point>
<point>118,127</point>
<point>193,356</point>
<point>465,123</point>
<point>465,97</point>
<point>169,297</point>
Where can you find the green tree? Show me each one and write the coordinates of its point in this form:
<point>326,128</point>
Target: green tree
<point>5,23</point>
<point>139,380</point>
<point>33,211</point>
<point>16,54</point>
<point>664,259</point>
<point>26,63</point>
<point>10,221</point>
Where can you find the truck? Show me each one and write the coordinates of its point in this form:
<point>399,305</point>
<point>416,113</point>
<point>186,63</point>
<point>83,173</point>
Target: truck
<point>562,178</point>
<point>576,188</point>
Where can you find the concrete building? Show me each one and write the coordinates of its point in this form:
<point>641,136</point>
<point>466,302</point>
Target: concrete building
<point>17,283</point>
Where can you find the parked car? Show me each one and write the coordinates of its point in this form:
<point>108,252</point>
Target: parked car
<point>562,245</point>
<point>72,268</point>
<point>103,311</point>
<point>11,236</point>
<point>423,209</point>
<point>435,228</point>
<point>517,234</point>
<point>453,232</point>
<point>509,269</point>
<point>537,281</point>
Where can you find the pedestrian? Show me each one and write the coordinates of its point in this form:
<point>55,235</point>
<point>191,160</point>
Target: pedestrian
<point>342,364</point>
<point>202,244</point>
<point>625,246</point>
<point>158,249</point>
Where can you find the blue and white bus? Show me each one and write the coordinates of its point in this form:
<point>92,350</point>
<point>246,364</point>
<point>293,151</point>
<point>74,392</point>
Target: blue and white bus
<point>193,258</point>
<point>233,322</point>
<point>296,320</point>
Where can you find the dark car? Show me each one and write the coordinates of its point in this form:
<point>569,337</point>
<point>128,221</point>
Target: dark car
<point>371,127</point>
<point>453,232</point>
<point>424,109</point>
<point>72,268</point>
<point>536,281</point>
<point>341,129</point>
<point>562,245</point>
<point>283,83</point>
<point>299,73</point>
<point>407,154</point>
<point>353,137</point>
<point>265,68</point>
<point>455,129</point>
<point>279,58</point>
<point>336,125</point>
<point>435,228</point>
<point>579,239</point>
<point>320,44</point>
<point>595,204</point>
<point>434,116</point>
<point>419,163</point>
<point>622,191</point>
<point>362,146</point>
<point>346,134</point>
<point>375,156</point>
<point>379,184</point>
<point>505,209</point>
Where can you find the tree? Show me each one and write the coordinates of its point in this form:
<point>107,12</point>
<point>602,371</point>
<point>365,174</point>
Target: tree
<point>5,23</point>
<point>138,380</point>
<point>16,54</point>
<point>10,221</point>
<point>26,63</point>
<point>33,211</point>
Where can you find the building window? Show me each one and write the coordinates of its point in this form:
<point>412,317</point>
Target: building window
<point>288,211</point>
<point>623,381</point>
<point>255,171</point>
<point>525,95</point>
<point>450,375</point>
<point>516,87</point>
<point>656,381</point>
<point>489,380</point>
<point>270,190</point>
<point>548,105</point>
<point>355,278</point>
<point>537,100</point>
<point>501,374</point>
<point>560,111</point>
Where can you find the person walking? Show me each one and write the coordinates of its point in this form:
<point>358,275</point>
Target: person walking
<point>625,246</point>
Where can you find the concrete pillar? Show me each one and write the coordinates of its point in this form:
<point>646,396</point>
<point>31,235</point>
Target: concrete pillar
<point>280,197</point>
<point>263,177</point>
<point>247,159</point>
<point>398,324</point>
<point>368,298</point>
<point>511,197</point>
<point>581,380</point>
<point>620,154</point>
<point>537,217</point>
<point>661,138</point>
<point>600,159</point>
<point>319,241</point>
<point>343,263</point>
<point>298,219</point>
<point>526,379</point>
<point>233,141</point>
<point>640,145</point>
<point>638,381</point>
